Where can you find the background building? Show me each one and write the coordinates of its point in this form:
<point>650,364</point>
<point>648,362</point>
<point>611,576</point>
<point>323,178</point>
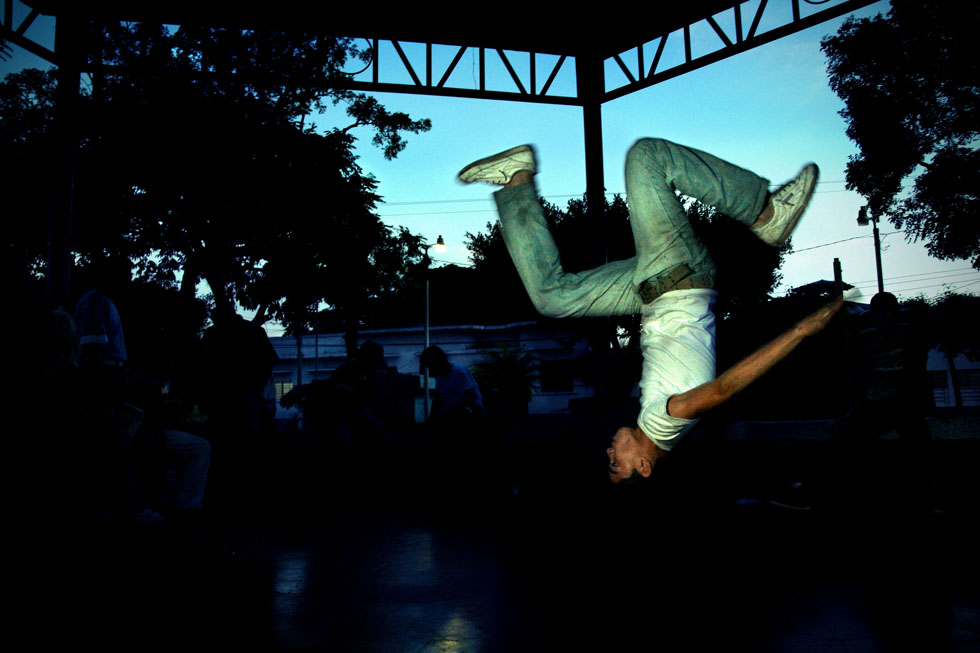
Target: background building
<point>558,377</point>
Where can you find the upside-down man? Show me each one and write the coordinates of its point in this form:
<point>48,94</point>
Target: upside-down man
<point>670,281</point>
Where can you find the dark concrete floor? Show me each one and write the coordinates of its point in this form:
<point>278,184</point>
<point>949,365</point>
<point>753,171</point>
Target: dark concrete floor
<point>526,550</point>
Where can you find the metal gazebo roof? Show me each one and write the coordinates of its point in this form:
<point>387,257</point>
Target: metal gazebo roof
<point>614,36</point>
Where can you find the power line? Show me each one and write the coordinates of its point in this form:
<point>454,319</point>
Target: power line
<point>937,285</point>
<point>923,276</point>
<point>934,285</point>
<point>478,199</point>
<point>398,215</point>
<point>796,251</point>
<point>554,197</point>
<point>874,283</point>
<point>918,274</point>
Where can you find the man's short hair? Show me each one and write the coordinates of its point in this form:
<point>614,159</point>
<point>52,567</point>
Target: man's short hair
<point>371,356</point>
<point>434,358</point>
<point>884,302</point>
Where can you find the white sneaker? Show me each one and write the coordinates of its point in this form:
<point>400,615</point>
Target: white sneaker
<point>789,203</point>
<point>501,167</point>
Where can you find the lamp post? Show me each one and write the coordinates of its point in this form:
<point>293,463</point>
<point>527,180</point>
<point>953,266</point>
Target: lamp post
<point>440,248</point>
<point>863,221</point>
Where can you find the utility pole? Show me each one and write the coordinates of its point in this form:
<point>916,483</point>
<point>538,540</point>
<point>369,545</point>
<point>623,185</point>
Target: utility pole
<point>863,221</point>
<point>846,350</point>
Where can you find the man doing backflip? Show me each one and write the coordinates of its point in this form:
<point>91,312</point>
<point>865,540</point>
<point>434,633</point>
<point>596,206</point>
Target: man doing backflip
<point>670,281</point>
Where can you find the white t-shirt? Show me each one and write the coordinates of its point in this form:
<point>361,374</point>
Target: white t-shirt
<point>677,338</point>
<point>456,383</point>
<point>98,323</point>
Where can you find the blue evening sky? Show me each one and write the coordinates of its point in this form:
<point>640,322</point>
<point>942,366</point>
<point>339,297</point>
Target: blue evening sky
<point>769,110</point>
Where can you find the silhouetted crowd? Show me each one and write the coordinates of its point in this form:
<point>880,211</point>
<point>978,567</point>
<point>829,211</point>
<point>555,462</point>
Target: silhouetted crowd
<point>144,443</point>
<point>157,436</point>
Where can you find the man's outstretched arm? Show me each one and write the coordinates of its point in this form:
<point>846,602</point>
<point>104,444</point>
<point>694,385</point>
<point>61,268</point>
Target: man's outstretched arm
<point>700,400</point>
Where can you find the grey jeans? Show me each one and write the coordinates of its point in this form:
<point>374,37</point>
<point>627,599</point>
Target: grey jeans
<point>663,235</point>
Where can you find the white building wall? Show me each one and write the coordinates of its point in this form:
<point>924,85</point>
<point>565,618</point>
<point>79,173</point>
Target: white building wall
<point>319,356</point>
<point>313,357</point>
<point>942,381</point>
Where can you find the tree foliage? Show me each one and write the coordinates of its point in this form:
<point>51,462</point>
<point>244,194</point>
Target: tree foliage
<point>747,269</point>
<point>196,161</point>
<point>952,325</point>
<point>951,328</point>
<point>26,113</point>
<point>911,90</point>
<point>506,377</point>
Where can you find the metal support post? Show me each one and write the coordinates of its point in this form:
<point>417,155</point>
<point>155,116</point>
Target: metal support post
<point>67,40</point>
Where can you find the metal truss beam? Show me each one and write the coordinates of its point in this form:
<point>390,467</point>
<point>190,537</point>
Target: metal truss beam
<point>431,78</point>
<point>16,33</point>
<point>639,76</point>
<point>431,81</point>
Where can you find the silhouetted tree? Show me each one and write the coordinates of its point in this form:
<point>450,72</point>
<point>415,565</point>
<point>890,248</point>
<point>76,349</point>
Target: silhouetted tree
<point>952,328</point>
<point>506,377</point>
<point>26,112</point>
<point>911,90</point>
<point>197,162</point>
<point>367,275</point>
<point>747,269</point>
<point>495,279</point>
<point>240,182</point>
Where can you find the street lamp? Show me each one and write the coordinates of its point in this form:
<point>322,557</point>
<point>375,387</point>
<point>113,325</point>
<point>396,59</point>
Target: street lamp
<point>440,248</point>
<point>863,221</point>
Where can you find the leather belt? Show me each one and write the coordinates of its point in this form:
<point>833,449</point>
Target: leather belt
<point>677,278</point>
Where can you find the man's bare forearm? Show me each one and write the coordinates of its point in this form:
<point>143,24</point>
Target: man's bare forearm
<point>703,398</point>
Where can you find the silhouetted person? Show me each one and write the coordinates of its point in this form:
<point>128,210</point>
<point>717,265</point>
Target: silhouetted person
<point>893,393</point>
<point>109,423</point>
<point>314,400</point>
<point>457,407</point>
<point>173,463</point>
<point>62,361</point>
<point>60,401</point>
<point>388,394</point>
<point>236,361</point>
<point>102,345</point>
<point>348,408</point>
<point>670,281</point>
<point>366,428</point>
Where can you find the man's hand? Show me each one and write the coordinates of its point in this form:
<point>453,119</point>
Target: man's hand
<point>816,321</point>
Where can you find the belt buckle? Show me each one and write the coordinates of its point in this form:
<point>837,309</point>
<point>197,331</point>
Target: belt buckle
<point>665,282</point>
<point>650,290</point>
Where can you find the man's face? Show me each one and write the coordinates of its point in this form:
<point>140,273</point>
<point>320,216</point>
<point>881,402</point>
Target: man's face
<point>624,455</point>
<point>436,368</point>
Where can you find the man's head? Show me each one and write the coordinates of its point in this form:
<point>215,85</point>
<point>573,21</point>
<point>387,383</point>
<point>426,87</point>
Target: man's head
<point>436,360</point>
<point>371,356</point>
<point>884,304</point>
<point>632,456</point>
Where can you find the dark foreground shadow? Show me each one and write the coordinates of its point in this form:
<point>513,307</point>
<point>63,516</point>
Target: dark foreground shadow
<point>525,550</point>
